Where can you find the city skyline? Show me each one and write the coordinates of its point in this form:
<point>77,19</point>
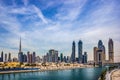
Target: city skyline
<point>45,25</point>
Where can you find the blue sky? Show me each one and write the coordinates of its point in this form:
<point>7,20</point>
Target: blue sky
<point>54,24</point>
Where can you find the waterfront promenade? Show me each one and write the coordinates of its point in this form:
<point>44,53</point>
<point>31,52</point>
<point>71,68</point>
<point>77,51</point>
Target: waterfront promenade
<point>113,75</point>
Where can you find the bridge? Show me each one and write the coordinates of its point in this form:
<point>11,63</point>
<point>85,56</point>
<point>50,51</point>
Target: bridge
<point>112,64</point>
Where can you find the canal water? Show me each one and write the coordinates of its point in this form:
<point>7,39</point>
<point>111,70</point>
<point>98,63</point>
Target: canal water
<point>71,74</point>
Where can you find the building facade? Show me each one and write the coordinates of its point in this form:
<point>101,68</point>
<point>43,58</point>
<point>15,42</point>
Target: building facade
<point>80,51</point>
<point>99,53</point>
<point>73,52</point>
<point>111,51</point>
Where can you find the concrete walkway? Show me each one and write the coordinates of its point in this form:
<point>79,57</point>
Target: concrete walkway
<point>115,75</point>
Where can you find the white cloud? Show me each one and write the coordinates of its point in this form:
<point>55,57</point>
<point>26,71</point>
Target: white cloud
<point>71,9</point>
<point>39,13</point>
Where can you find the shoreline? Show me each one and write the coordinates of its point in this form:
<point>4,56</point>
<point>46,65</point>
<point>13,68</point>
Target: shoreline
<point>41,70</point>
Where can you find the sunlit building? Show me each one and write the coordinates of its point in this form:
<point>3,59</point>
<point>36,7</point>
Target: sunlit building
<point>99,53</point>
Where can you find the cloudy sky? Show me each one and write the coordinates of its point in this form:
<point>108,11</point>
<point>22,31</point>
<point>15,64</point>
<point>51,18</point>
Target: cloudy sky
<point>54,24</point>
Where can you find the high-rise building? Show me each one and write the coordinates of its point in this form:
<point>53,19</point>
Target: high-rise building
<point>20,45</point>
<point>100,44</point>
<point>95,55</point>
<point>33,57</point>
<point>99,53</point>
<point>28,57</point>
<point>100,57</point>
<point>84,57</point>
<point>61,57</point>
<point>73,52</point>
<point>65,59</point>
<point>102,47</point>
<point>111,51</point>
<point>9,57</point>
<point>5,57</point>
<point>80,51</point>
<point>1,59</point>
<point>51,56</point>
<point>20,54</point>
<point>24,58</point>
<point>20,57</point>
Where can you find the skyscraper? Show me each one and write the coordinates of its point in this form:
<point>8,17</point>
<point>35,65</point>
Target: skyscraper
<point>73,52</point>
<point>95,55</point>
<point>111,50</point>
<point>20,54</point>
<point>5,57</point>
<point>21,57</point>
<point>33,57</point>
<point>20,46</point>
<point>80,51</point>
<point>99,53</point>
<point>100,44</point>
<point>28,57</point>
<point>102,47</point>
<point>2,56</point>
<point>84,57</point>
<point>9,57</point>
<point>24,58</point>
<point>100,57</point>
<point>61,57</point>
<point>65,59</point>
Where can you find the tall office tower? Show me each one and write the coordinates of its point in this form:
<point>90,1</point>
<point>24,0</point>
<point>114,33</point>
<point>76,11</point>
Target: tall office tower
<point>111,50</point>
<point>20,54</point>
<point>100,57</point>
<point>28,57</point>
<point>33,57</point>
<point>9,57</point>
<point>85,57</point>
<point>80,51</point>
<point>20,46</point>
<point>21,57</point>
<point>53,55</point>
<point>100,44</point>
<point>61,57</point>
<point>102,47</point>
<point>24,58</point>
<point>65,59</point>
<point>2,56</point>
<point>95,55</point>
<point>5,57</point>
<point>99,53</point>
<point>73,52</point>
<point>104,53</point>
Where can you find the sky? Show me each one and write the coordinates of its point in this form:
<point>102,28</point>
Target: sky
<point>55,24</point>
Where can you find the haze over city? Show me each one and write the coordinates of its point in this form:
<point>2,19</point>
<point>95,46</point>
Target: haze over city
<point>47,24</point>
